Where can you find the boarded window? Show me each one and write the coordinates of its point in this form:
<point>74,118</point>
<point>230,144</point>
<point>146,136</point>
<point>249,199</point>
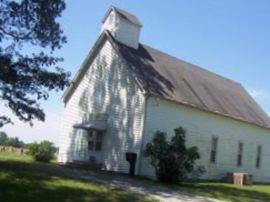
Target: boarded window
<point>213,154</point>
<point>258,158</point>
<point>240,154</point>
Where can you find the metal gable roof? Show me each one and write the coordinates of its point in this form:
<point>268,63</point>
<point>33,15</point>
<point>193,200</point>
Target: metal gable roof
<point>170,78</point>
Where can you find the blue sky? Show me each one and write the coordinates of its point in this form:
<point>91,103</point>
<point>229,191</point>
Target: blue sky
<point>230,38</point>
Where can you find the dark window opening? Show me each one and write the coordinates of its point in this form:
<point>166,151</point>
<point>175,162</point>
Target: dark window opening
<point>95,140</point>
<point>98,145</point>
<point>240,154</point>
<point>213,154</point>
<point>258,159</point>
<point>90,145</point>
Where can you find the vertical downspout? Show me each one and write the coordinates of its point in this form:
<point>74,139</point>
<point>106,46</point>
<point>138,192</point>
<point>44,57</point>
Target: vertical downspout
<point>142,135</point>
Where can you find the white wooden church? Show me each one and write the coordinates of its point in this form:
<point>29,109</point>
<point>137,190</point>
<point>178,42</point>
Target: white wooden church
<point>125,91</point>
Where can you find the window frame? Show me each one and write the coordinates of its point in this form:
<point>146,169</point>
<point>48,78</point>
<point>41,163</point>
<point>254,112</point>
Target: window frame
<point>214,149</point>
<point>240,152</point>
<point>259,157</point>
<point>95,140</point>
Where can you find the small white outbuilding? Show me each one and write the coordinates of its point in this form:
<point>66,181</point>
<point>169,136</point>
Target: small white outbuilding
<point>125,91</point>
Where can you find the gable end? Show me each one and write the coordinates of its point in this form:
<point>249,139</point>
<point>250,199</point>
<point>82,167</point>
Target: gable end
<point>104,36</point>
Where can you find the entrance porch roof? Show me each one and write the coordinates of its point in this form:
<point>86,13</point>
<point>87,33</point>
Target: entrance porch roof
<point>99,125</point>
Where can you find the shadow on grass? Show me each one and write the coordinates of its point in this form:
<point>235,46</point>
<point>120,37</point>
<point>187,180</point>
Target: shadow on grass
<point>227,192</point>
<point>29,182</point>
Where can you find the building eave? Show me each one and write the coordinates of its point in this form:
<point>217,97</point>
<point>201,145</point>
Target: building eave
<point>83,68</point>
<point>120,12</point>
<point>90,57</point>
<point>105,35</point>
<point>208,111</point>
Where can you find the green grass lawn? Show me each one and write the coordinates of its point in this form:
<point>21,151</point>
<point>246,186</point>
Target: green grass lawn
<point>11,156</point>
<point>229,192</point>
<point>23,180</point>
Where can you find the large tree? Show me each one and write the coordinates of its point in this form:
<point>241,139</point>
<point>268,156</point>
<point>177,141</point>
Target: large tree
<point>29,35</point>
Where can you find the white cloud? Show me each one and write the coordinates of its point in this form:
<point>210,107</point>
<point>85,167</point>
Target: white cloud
<point>48,130</point>
<point>259,94</point>
<point>262,97</point>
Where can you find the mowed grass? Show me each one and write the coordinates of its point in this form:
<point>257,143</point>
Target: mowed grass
<point>229,192</point>
<point>11,156</point>
<point>22,179</point>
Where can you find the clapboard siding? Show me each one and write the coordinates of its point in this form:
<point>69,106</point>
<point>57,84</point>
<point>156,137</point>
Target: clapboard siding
<point>107,87</point>
<point>201,126</point>
<point>122,30</point>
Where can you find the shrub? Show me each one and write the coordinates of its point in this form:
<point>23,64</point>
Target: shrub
<point>43,151</point>
<point>171,160</point>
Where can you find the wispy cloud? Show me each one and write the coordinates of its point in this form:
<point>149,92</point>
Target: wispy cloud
<point>259,94</point>
<point>262,97</point>
<point>268,112</point>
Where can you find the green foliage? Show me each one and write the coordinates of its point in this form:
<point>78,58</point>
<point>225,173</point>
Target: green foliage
<point>43,151</point>
<point>10,141</point>
<point>29,34</point>
<point>14,142</point>
<point>171,159</point>
<point>3,138</point>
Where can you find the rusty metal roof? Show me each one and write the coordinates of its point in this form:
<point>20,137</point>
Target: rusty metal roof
<point>170,78</point>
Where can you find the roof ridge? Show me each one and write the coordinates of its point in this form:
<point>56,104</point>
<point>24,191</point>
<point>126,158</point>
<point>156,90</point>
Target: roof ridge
<point>129,16</point>
<point>158,82</point>
<point>163,74</point>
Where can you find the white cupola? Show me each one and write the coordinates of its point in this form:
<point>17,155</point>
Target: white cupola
<point>123,26</point>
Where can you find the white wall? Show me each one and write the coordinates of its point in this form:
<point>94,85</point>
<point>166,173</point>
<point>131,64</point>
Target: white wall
<point>122,30</point>
<point>201,126</point>
<point>109,23</point>
<point>107,87</point>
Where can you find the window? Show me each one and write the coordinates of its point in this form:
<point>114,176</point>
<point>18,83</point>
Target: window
<point>98,144</point>
<point>240,154</point>
<point>95,140</point>
<point>91,140</point>
<point>213,154</point>
<point>258,159</point>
